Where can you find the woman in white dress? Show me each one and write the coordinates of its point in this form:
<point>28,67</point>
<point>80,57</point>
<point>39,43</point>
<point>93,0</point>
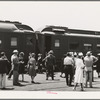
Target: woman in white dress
<point>79,71</point>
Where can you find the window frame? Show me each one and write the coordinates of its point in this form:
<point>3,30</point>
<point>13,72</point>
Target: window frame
<point>14,43</point>
<point>89,46</point>
<point>57,43</point>
<point>74,43</point>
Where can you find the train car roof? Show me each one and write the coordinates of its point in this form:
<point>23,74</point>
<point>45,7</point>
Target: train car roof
<point>78,31</point>
<point>60,30</point>
<point>53,28</point>
<point>82,35</point>
<point>7,27</point>
<point>14,27</point>
<point>23,27</point>
<point>48,32</point>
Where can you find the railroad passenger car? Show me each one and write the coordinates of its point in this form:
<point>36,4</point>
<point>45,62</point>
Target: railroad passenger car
<point>15,35</point>
<point>62,40</point>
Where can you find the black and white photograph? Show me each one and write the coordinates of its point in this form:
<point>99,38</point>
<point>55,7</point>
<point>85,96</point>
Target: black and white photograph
<point>50,49</point>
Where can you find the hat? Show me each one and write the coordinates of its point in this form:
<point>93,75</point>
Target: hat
<point>80,54</point>
<point>22,53</point>
<point>2,53</point>
<point>15,51</point>
<point>39,54</point>
<point>68,53</point>
<point>75,54</point>
<point>51,52</point>
<point>88,53</point>
<point>98,54</point>
<point>33,54</point>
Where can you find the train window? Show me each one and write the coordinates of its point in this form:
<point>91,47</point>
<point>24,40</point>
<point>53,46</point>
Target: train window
<point>73,46</point>
<point>57,43</point>
<point>98,46</point>
<point>88,47</point>
<point>29,40</point>
<point>13,41</point>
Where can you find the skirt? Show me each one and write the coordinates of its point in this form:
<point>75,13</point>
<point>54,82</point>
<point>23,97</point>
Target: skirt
<point>32,71</point>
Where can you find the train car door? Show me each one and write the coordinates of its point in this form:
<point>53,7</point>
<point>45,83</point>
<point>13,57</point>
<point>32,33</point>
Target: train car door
<point>74,44</point>
<point>47,46</point>
<point>29,45</point>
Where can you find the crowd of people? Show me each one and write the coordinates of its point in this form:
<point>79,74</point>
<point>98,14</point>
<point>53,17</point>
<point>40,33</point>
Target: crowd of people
<point>75,66</point>
<point>18,67</point>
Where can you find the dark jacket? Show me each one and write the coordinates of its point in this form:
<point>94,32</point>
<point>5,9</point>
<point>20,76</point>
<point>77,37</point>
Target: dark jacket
<point>50,60</point>
<point>3,65</point>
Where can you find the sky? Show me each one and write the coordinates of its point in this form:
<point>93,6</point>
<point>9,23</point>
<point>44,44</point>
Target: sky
<point>72,14</point>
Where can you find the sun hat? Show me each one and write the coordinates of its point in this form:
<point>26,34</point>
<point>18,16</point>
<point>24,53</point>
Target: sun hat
<point>15,51</point>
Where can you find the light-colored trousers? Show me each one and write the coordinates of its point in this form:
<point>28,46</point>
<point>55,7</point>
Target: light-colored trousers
<point>88,77</point>
<point>3,80</point>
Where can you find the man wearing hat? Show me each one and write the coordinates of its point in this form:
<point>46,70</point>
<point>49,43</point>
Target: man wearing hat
<point>50,63</point>
<point>89,60</point>
<point>68,67</point>
<point>15,67</point>
<point>12,66</point>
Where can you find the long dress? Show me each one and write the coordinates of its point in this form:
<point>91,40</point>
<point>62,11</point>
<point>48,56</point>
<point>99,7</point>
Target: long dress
<point>79,71</point>
<point>21,65</point>
<point>32,66</point>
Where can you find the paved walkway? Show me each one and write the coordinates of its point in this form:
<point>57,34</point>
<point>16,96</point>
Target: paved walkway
<point>58,84</point>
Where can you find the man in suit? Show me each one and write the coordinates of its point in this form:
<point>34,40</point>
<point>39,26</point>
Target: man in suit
<point>50,63</point>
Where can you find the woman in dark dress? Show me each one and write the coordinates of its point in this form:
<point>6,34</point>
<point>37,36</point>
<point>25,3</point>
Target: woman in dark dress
<point>21,65</point>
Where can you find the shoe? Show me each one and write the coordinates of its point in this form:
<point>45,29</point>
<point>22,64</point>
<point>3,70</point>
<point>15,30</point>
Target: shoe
<point>46,78</point>
<point>74,89</point>
<point>60,75</point>
<point>67,84</point>
<point>82,89</point>
<point>85,86</point>
<point>17,84</point>
<point>32,82</point>
<point>3,88</point>
<point>98,76</point>
<point>91,86</point>
<point>70,85</point>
